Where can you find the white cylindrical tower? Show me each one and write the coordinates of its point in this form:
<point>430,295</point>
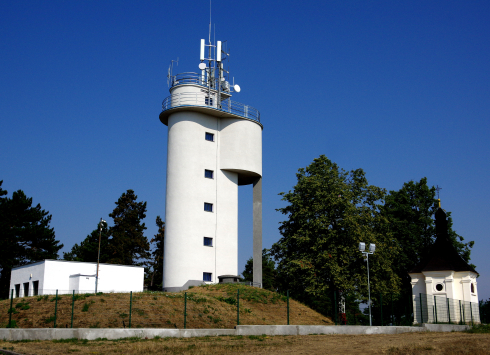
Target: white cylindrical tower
<point>214,145</point>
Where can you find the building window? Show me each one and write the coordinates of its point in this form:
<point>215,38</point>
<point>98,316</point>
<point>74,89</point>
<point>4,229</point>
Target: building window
<point>472,288</point>
<point>209,137</point>
<point>439,287</point>
<point>26,289</point>
<point>208,174</point>
<point>17,290</point>
<point>208,242</point>
<point>208,207</point>
<point>209,101</point>
<point>206,276</point>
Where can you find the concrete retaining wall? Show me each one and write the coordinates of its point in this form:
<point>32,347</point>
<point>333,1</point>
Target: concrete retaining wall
<point>109,333</point>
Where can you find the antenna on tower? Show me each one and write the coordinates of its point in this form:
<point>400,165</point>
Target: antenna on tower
<point>170,70</point>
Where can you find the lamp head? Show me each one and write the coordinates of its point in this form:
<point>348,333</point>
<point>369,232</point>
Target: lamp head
<point>362,246</point>
<point>372,248</point>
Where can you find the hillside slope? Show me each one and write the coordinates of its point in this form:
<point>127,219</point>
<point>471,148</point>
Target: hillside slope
<point>210,306</point>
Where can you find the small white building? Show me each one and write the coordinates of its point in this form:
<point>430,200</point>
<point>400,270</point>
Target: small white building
<point>45,277</point>
<point>443,284</point>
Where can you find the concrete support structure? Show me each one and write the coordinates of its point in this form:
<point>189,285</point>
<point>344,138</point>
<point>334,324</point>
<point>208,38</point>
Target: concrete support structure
<point>257,232</point>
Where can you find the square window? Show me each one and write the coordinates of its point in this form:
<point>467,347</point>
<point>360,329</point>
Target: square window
<point>206,276</point>
<point>208,242</point>
<point>208,207</point>
<point>209,137</point>
<point>208,174</point>
<point>209,101</point>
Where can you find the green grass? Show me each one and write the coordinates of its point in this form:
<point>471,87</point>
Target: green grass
<point>479,328</point>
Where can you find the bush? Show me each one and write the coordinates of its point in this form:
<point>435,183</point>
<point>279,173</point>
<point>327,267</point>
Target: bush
<point>479,328</point>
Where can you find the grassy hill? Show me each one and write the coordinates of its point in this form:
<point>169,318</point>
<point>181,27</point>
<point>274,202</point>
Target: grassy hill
<point>210,306</point>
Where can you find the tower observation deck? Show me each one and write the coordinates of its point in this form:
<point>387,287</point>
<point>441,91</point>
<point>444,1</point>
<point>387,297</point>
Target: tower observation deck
<point>214,145</point>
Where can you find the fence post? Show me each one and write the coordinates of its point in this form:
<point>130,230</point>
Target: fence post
<point>435,306</point>
<point>238,306</point>
<point>460,313</point>
<point>381,307</point>
<point>72,307</point>
<point>335,306</point>
<point>288,305</point>
<point>10,310</point>
<point>130,307</point>
<point>185,310</point>
<point>392,316</point>
<point>448,310</point>
<point>421,314</point>
<point>464,314</point>
<point>55,308</point>
<point>471,312</point>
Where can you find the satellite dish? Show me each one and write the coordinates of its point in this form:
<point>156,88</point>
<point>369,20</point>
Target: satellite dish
<point>202,66</point>
<point>237,88</point>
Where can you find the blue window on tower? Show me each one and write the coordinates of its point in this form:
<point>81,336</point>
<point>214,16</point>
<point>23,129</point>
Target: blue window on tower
<point>208,174</point>
<point>206,276</point>
<point>209,137</point>
<point>209,101</point>
<point>208,242</point>
<point>208,207</point>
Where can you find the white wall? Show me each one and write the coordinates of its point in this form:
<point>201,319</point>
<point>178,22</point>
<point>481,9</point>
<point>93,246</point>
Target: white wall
<point>64,276</point>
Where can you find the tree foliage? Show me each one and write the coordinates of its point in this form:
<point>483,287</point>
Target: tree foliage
<point>128,246</point>
<point>268,271</point>
<point>26,235</point>
<point>88,249</point>
<point>328,213</point>
<point>155,281</point>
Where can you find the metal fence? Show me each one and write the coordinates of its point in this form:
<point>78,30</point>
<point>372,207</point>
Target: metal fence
<point>192,309</point>
<point>441,309</point>
<point>204,100</point>
<point>404,310</point>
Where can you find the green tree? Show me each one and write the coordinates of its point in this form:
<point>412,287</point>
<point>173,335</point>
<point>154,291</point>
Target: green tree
<point>268,271</point>
<point>328,213</point>
<point>88,249</point>
<point>26,235</point>
<point>128,245</point>
<point>156,263</point>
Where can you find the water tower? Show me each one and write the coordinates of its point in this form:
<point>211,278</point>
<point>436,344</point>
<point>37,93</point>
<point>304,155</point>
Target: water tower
<point>214,146</point>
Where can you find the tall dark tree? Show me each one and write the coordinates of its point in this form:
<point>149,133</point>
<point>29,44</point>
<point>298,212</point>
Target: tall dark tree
<point>26,235</point>
<point>155,276</point>
<point>87,251</point>
<point>410,211</point>
<point>328,213</point>
<point>269,272</point>
<point>129,245</point>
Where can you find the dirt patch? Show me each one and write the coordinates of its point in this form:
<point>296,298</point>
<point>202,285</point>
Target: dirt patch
<point>400,344</point>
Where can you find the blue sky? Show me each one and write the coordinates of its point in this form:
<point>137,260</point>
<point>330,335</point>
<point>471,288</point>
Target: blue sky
<point>400,90</point>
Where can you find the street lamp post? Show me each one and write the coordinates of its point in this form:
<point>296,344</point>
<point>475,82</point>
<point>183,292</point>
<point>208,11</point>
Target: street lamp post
<point>372,247</point>
<point>98,255</point>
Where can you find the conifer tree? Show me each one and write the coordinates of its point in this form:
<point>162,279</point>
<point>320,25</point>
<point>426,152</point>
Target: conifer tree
<point>26,235</point>
<point>129,245</point>
<point>156,264</point>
